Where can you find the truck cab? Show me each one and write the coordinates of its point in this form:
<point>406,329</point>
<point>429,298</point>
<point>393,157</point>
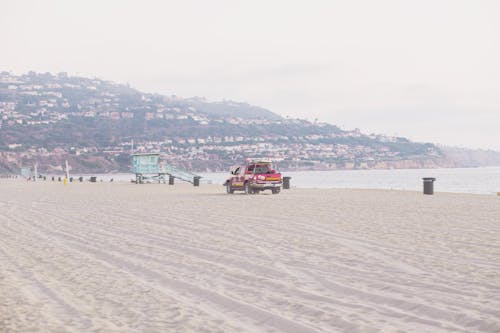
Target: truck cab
<point>254,176</point>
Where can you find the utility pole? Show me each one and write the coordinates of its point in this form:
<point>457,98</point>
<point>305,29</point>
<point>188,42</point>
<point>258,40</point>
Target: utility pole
<point>67,170</point>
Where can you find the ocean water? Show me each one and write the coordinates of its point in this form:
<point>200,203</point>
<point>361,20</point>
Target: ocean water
<point>460,180</point>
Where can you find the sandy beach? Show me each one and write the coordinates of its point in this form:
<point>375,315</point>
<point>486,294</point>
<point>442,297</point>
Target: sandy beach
<point>120,257</point>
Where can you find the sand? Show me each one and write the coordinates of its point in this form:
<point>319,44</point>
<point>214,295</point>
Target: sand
<point>120,257</point>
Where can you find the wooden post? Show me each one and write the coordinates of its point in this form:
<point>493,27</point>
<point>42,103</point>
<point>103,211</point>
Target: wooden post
<point>67,170</point>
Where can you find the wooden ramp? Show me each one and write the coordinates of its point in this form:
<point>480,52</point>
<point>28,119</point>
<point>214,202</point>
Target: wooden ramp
<point>181,174</point>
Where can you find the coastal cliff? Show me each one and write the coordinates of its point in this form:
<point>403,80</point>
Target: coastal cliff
<point>96,124</point>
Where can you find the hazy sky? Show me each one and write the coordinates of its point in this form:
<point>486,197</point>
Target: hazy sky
<point>425,69</point>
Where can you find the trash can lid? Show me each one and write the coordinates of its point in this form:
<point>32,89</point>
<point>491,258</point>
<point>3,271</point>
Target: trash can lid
<point>429,179</point>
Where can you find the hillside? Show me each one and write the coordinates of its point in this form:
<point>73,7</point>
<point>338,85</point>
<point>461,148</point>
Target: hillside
<point>468,158</point>
<point>96,124</point>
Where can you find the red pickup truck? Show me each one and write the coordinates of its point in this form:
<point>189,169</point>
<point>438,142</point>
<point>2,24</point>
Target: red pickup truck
<point>253,177</point>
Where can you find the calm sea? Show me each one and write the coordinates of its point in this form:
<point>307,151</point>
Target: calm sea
<point>466,180</point>
<point>463,180</point>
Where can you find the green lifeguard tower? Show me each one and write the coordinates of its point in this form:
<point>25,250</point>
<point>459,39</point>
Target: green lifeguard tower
<point>147,167</point>
<point>26,172</point>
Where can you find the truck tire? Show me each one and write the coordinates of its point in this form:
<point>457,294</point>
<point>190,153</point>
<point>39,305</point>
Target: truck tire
<point>248,189</point>
<point>276,190</point>
<point>229,189</point>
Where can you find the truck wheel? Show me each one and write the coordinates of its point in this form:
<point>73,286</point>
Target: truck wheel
<point>229,189</point>
<point>248,189</point>
<point>276,190</point>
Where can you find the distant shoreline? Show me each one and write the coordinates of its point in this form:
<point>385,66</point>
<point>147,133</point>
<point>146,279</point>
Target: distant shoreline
<point>479,180</point>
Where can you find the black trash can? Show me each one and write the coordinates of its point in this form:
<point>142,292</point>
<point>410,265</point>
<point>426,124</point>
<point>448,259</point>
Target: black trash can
<point>80,179</point>
<point>93,179</point>
<point>171,180</point>
<point>286,183</point>
<point>58,179</point>
<point>196,181</point>
<point>70,179</point>
<point>429,185</point>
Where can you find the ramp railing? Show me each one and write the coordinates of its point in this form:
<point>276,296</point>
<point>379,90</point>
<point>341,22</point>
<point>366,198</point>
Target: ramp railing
<point>180,174</point>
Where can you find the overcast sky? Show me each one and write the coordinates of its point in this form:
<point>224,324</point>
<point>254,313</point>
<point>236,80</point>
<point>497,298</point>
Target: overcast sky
<point>427,69</point>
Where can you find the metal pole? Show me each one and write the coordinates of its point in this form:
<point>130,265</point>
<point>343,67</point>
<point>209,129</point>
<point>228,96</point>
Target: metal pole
<point>67,170</point>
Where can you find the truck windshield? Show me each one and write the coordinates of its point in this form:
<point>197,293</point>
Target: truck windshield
<point>262,168</point>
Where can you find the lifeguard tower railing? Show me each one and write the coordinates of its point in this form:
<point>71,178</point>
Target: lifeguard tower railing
<point>181,174</point>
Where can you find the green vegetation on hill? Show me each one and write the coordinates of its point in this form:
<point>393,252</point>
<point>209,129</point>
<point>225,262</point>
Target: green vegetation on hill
<point>44,117</point>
